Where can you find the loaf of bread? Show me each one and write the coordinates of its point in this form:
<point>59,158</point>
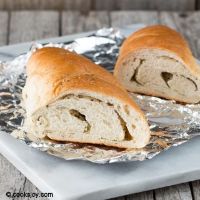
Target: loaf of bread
<point>69,98</point>
<point>157,61</point>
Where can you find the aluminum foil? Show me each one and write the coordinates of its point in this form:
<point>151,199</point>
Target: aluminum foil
<point>171,123</point>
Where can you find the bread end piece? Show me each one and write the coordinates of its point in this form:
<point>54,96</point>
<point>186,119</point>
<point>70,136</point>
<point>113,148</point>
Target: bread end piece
<point>157,61</point>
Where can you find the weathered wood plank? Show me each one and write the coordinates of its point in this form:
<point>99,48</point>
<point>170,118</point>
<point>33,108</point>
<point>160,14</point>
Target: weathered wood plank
<point>180,5</point>
<point>138,196</point>
<point>187,24</point>
<point>74,22</point>
<point>83,6</point>
<point>136,4</point>
<point>27,5</point>
<point>105,5</point>
<point>176,192</point>
<point>141,196</point>
<point>37,4</point>
<point>33,25</point>
<point>11,179</point>
<point>7,171</point>
<point>170,5</point>
<point>46,4</point>
<point>196,189</point>
<point>4,27</point>
<point>167,18</point>
<point>197,4</point>
<point>30,188</point>
<point>122,18</point>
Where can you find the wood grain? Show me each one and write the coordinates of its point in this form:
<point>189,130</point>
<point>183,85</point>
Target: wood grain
<point>105,5</point>
<point>196,189</point>
<point>11,179</point>
<point>84,6</point>
<point>141,196</point>
<point>33,25</point>
<point>197,4</point>
<point>178,5</point>
<point>27,4</point>
<point>176,192</point>
<point>122,18</point>
<point>171,5</point>
<point>87,5</point>
<point>138,196</point>
<point>187,24</point>
<point>45,4</point>
<point>74,22</point>
<point>4,27</point>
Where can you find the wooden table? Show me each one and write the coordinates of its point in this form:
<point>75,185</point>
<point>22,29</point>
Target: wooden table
<point>21,26</point>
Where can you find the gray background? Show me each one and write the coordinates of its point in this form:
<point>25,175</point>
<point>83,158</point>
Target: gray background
<point>87,5</point>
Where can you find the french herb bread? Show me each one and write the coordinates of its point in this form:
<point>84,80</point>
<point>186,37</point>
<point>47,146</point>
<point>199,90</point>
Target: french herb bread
<point>157,61</point>
<point>69,98</point>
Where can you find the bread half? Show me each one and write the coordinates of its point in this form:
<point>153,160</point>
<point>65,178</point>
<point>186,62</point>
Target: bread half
<point>157,61</point>
<point>69,98</point>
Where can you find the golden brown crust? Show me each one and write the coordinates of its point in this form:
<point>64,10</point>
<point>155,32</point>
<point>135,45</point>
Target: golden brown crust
<point>94,142</point>
<point>158,37</point>
<point>56,71</point>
